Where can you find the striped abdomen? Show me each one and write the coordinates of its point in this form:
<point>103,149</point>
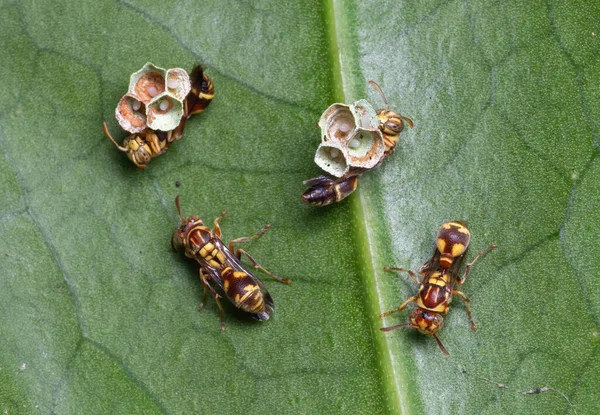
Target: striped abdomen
<point>452,241</point>
<point>202,91</point>
<point>325,191</point>
<point>245,293</point>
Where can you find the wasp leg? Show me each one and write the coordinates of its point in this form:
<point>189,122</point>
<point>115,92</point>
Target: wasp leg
<point>239,253</point>
<point>460,280</point>
<point>152,140</point>
<point>138,165</point>
<point>216,223</point>
<point>203,278</point>
<point>468,303</point>
<point>402,307</point>
<point>412,274</point>
<point>206,285</point>
<point>248,238</point>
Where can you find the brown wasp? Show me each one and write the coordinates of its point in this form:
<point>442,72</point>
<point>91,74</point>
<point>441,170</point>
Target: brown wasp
<point>144,146</point>
<point>436,288</point>
<point>325,190</point>
<point>221,268</point>
<point>390,123</point>
<point>201,94</point>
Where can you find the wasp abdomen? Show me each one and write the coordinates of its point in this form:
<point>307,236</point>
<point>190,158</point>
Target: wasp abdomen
<point>325,191</point>
<point>202,91</point>
<point>452,241</point>
<point>246,294</point>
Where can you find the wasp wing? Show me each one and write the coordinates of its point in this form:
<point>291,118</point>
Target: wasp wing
<point>319,181</point>
<point>434,263</point>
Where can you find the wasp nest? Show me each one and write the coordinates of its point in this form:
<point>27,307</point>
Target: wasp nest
<point>154,99</point>
<point>350,137</point>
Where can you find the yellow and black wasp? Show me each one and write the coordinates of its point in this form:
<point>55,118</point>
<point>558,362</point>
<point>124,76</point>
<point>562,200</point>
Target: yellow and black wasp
<point>144,146</point>
<point>436,288</point>
<point>221,268</point>
<point>325,190</point>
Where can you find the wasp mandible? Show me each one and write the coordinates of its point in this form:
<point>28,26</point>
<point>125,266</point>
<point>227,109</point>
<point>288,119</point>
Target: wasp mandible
<point>221,268</point>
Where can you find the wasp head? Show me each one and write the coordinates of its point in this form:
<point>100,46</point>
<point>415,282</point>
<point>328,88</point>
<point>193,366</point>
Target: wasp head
<point>135,146</point>
<point>137,150</point>
<point>178,239</point>
<point>426,322</point>
<point>391,124</point>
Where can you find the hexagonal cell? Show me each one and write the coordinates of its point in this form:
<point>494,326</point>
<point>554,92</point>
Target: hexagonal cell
<point>365,149</point>
<point>340,125</point>
<point>164,113</point>
<point>131,114</point>
<point>147,83</point>
<point>331,157</point>
<point>365,114</point>
<point>178,83</point>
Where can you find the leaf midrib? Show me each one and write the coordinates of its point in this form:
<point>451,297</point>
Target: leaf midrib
<point>344,62</point>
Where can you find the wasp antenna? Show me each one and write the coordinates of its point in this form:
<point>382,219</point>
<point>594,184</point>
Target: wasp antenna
<point>178,208</point>
<point>396,327</point>
<point>440,344</point>
<point>105,128</point>
<point>378,88</point>
<point>408,121</point>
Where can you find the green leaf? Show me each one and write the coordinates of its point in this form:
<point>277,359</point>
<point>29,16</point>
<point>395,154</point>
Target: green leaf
<point>100,316</point>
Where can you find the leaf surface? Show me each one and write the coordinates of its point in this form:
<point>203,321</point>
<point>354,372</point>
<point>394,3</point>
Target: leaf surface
<point>100,316</point>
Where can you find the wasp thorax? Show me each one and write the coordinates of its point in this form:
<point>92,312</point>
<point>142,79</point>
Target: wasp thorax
<point>427,322</point>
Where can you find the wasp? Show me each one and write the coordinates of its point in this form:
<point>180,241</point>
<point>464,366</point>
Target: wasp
<point>440,274</point>
<point>325,190</point>
<point>391,124</point>
<point>199,97</point>
<point>220,267</point>
<point>143,147</point>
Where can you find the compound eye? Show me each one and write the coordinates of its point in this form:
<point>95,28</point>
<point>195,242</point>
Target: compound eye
<point>394,126</point>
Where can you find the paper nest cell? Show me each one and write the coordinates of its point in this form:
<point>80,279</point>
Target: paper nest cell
<point>350,137</point>
<point>154,99</point>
